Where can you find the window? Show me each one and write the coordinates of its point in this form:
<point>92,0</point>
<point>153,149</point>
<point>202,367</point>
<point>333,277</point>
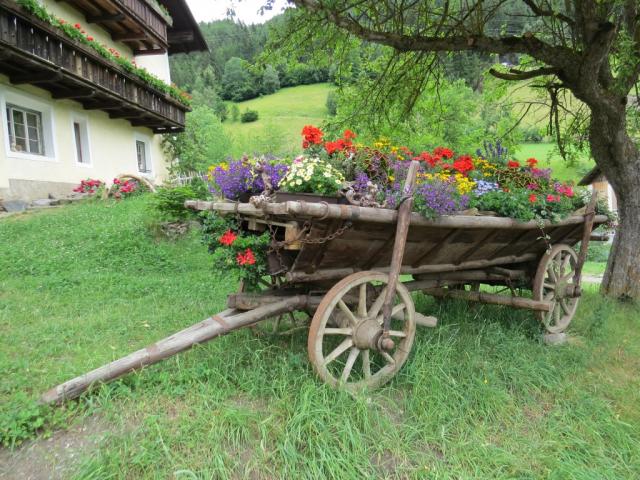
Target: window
<point>25,130</point>
<point>141,152</point>
<point>81,140</point>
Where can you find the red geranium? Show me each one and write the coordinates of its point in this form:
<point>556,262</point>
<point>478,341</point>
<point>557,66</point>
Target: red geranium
<point>463,164</point>
<point>513,164</point>
<point>348,135</point>
<point>443,152</point>
<point>533,198</point>
<point>312,135</point>
<point>227,238</point>
<point>246,258</point>
<point>427,157</point>
<point>552,198</point>
<point>532,162</point>
<point>78,26</point>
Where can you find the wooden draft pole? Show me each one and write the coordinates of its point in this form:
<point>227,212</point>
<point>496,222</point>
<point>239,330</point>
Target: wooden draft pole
<point>402,230</point>
<point>201,332</point>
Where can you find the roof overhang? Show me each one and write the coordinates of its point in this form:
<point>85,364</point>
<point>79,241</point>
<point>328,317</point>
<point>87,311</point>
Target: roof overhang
<point>184,35</point>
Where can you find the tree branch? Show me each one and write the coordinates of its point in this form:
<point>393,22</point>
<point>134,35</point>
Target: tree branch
<point>515,75</point>
<point>557,56</point>
<point>548,13</point>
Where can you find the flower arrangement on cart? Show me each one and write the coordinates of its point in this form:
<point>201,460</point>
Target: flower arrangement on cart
<point>340,170</point>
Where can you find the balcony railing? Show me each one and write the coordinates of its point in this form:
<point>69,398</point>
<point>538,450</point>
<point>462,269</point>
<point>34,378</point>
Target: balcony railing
<point>36,53</point>
<point>136,23</point>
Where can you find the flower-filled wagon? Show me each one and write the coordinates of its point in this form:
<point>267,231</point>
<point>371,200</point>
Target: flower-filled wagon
<point>346,232</point>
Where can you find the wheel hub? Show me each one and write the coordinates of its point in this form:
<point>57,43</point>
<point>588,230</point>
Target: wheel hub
<point>366,334</point>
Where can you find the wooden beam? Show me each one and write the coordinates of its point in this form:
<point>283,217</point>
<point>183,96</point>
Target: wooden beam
<point>180,36</point>
<point>117,115</point>
<point>80,93</point>
<point>492,298</point>
<point>105,106</point>
<point>106,17</point>
<point>129,36</point>
<point>36,77</point>
<point>149,51</point>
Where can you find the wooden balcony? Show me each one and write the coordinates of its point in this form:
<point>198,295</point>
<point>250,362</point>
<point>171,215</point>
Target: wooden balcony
<point>140,24</point>
<point>34,52</point>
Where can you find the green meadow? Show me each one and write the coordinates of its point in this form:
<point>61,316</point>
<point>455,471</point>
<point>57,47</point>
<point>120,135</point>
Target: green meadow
<point>480,396</point>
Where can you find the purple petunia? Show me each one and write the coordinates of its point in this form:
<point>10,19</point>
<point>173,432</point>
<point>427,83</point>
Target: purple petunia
<point>439,198</point>
<point>238,177</point>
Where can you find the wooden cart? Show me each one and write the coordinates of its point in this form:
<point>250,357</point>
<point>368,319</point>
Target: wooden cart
<point>352,269</point>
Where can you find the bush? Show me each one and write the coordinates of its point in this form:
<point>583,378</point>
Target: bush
<point>598,251</point>
<point>235,112</point>
<point>169,203</point>
<point>332,103</point>
<point>249,116</point>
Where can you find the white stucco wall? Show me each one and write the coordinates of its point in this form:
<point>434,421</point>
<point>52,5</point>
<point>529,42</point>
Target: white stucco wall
<point>156,64</point>
<point>111,143</point>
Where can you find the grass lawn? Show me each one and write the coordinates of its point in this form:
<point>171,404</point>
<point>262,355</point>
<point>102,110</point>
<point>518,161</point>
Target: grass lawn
<point>281,118</point>
<point>547,154</point>
<point>480,396</point>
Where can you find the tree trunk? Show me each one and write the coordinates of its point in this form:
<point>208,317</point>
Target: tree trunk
<point>619,160</point>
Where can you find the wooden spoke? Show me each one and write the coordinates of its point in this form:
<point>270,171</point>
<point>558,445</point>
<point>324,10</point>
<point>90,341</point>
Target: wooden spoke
<point>343,307</point>
<point>366,364</point>
<point>359,333</point>
<point>338,331</point>
<point>339,350</point>
<point>362,301</point>
<point>377,305</point>
<point>556,312</point>
<point>565,306</point>
<point>387,357</point>
<point>550,286</point>
<point>353,355</point>
<point>397,333</point>
<point>565,264</point>
<point>549,296</point>
<point>397,309</point>
<point>552,272</point>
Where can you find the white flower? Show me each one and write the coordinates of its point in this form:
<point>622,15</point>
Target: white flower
<point>298,182</point>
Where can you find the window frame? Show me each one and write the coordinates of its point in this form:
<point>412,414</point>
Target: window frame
<point>146,141</point>
<point>22,101</point>
<point>85,144</point>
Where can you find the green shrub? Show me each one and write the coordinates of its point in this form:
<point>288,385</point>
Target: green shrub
<point>249,116</point>
<point>169,203</point>
<point>598,251</point>
<point>332,103</point>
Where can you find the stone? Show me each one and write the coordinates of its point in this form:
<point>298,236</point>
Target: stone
<point>12,206</point>
<point>554,338</point>
<point>44,202</point>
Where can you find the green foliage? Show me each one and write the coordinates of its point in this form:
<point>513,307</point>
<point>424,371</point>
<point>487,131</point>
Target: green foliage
<point>203,143</point>
<point>598,251</point>
<point>270,80</point>
<point>450,114</point>
<point>228,258</point>
<point>249,116</point>
<point>235,112</point>
<point>168,202</point>
<point>332,103</point>
<point>238,81</point>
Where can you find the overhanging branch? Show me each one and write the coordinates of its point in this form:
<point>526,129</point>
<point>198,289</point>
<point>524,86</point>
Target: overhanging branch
<point>515,75</point>
<point>557,56</point>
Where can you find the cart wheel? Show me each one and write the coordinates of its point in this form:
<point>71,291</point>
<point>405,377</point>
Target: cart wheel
<point>355,305</point>
<point>554,282</point>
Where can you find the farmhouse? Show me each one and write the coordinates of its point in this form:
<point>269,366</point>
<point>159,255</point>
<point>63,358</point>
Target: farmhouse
<point>85,90</point>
